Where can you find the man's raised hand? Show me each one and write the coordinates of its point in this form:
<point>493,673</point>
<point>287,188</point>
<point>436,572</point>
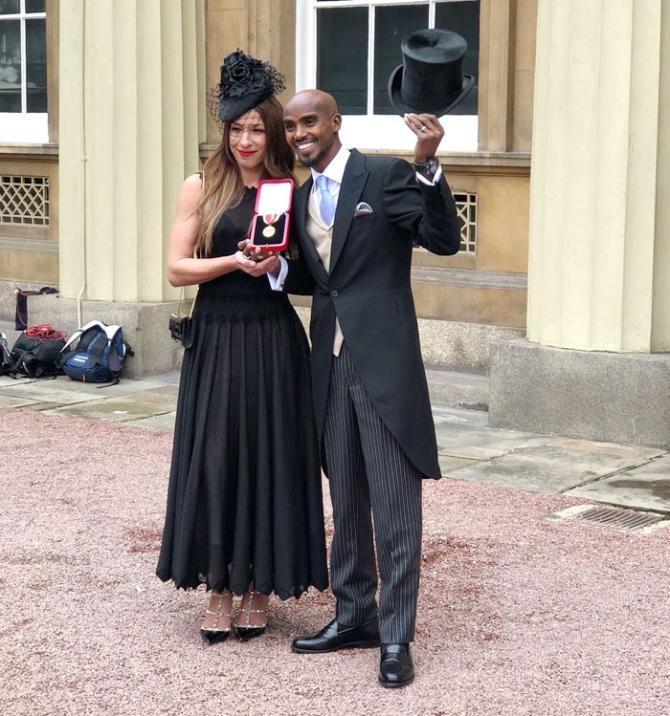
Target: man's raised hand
<point>429,133</point>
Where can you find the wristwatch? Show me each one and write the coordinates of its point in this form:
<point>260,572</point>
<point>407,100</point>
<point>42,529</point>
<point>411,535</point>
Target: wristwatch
<point>428,168</point>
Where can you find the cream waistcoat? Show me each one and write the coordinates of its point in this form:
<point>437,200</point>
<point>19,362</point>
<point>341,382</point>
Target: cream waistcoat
<point>322,236</point>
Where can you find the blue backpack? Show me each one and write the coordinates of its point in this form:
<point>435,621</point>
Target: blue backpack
<point>98,356</point>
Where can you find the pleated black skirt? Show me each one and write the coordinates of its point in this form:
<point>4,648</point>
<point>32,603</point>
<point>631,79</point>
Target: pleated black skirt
<point>244,499</point>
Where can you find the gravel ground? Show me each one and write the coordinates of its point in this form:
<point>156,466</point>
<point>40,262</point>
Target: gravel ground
<point>517,615</point>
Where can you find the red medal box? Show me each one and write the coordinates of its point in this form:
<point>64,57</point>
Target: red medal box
<point>269,228</point>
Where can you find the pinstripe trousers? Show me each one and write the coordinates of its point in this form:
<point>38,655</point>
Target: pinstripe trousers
<point>370,477</point>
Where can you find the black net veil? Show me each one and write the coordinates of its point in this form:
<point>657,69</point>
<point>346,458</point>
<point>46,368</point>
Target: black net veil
<point>244,83</point>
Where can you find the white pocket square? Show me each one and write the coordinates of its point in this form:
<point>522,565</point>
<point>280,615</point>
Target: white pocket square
<point>363,208</point>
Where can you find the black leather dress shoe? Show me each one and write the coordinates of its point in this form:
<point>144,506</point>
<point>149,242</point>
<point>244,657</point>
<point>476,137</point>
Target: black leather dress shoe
<point>336,636</point>
<point>396,668</point>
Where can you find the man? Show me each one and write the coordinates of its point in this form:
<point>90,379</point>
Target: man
<point>357,219</point>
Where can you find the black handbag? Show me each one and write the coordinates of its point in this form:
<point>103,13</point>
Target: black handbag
<point>182,327</point>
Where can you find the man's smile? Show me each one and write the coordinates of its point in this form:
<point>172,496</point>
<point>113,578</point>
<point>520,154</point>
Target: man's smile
<point>305,145</point>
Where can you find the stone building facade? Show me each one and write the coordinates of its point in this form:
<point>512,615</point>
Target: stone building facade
<point>577,256</point>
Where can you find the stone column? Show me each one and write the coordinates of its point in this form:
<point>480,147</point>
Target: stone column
<point>599,268</point>
<point>131,118</point>
<point>506,60</point>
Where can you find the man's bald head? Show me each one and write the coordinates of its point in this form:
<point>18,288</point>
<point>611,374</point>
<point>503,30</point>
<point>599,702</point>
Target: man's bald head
<point>315,99</point>
<point>312,123</point>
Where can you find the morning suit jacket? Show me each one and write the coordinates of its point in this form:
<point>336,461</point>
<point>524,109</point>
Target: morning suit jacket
<point>368,289</point>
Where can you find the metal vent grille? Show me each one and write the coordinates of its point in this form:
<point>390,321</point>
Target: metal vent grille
<point>630,520</point>
<point>24,200</point>
<point>619,518</point>
<point>466,208</point>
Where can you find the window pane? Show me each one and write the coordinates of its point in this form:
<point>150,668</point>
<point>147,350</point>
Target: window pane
<point>342,56</point>
<point>10,66</point>
<point>463,17</point>
<point>36,65</point>
<point>392,25</point>
<point>9,7</point>
<point>35,5</point>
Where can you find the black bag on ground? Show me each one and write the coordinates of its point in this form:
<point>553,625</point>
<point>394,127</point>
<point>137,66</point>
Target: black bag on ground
<point>5,353</point>
<point>36,353</point>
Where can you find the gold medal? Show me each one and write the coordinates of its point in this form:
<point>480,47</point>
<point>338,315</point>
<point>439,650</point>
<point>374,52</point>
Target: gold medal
<point>269,231</point>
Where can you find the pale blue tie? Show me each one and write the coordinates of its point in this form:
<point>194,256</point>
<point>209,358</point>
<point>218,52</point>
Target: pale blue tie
<point>326,201</point>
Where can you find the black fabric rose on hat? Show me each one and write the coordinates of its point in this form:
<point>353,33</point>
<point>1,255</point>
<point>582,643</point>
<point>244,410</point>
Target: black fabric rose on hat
<point>244,83</point>
<point>236,74</point>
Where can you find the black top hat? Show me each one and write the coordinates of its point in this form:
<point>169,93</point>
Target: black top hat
<point>244,83</point>
<point>431,77</point>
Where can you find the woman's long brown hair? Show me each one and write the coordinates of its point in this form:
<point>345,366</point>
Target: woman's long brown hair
<point>223,186</point>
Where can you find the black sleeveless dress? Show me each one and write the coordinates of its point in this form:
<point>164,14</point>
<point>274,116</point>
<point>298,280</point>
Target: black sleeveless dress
<point>244,496</point>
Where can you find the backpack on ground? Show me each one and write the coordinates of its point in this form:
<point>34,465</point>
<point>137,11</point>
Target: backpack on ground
<point>36,352</point>
<point>5,359</point>
<point>95,353</point>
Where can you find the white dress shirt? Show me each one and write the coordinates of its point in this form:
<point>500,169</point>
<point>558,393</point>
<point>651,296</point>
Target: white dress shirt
<point>335,172</point>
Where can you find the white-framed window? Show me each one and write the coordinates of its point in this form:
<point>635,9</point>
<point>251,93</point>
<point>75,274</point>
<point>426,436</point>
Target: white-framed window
<point>350,47</point>
<point>23,71</point>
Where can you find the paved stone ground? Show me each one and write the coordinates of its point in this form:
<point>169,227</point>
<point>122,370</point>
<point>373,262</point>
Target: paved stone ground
<point>633,477</point>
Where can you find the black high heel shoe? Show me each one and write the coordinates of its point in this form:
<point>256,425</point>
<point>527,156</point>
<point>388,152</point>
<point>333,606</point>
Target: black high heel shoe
<point>211,630</point>
<point>244,629</point>
<point>211,636</point>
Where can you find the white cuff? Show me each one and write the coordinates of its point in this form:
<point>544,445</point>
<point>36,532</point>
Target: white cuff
<point>277,280</point>
<point>436,178</point>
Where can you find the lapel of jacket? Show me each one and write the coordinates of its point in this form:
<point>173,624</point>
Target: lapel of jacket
<point>353,181</point>
<point>307,246</point>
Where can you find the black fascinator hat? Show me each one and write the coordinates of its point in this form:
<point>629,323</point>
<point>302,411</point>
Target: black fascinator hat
<point>244,83</point>
<point>431,77</point>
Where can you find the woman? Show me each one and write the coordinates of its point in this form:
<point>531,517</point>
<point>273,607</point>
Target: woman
<point>244,511</point>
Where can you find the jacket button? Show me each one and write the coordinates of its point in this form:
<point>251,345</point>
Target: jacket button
<point>333,293</point>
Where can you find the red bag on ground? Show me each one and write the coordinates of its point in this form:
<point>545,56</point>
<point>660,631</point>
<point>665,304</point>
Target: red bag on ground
<point>44,332</point>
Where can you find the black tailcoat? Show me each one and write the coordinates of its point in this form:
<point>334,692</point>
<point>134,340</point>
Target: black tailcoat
<point>368,289</point>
